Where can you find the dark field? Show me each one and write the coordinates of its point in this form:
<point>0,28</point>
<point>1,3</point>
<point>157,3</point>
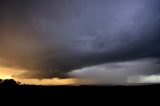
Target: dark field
<point>76,91</point>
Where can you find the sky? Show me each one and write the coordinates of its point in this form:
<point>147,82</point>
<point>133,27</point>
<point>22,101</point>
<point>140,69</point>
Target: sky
<point>102,42</point>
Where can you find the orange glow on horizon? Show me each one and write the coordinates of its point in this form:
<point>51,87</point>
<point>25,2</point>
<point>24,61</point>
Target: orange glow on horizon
<point>9,73</point>
<point>53,81</point>
<point>6,73</point>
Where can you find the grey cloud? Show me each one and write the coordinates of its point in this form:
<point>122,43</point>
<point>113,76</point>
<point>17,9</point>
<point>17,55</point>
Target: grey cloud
<point>53,37</point>
<point>127,72</point>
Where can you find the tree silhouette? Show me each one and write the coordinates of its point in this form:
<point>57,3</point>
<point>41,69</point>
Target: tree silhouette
<point>9,82</point>
<point>1,81</point>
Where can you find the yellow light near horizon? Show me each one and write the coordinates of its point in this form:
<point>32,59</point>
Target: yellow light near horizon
<point>3,77</point>
<point>53,81</point>
<point>7,73</point>
<point>8,77</point>
<point>10,73</point>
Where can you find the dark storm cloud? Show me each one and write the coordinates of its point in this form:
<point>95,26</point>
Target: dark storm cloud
<point>49,38</point>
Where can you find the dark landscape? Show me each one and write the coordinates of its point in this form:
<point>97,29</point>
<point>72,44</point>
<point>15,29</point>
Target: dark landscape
<point>11,88</point>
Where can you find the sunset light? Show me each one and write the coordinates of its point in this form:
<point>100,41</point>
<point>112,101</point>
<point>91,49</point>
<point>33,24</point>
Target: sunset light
<point>3,77</point>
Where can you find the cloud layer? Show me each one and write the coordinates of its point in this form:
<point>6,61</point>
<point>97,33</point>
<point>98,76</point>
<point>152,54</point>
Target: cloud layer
<point>135,71</point>
<point>53,37</point>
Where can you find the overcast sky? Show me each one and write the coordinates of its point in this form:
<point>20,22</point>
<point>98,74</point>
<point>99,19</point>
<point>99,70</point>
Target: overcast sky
<point>108,41</point>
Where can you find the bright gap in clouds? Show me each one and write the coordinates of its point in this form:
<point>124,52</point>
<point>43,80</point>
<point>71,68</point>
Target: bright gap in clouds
<point>53,81</point>
<point>3,77</point>
<point>8,73</point>
<point>145,79</point>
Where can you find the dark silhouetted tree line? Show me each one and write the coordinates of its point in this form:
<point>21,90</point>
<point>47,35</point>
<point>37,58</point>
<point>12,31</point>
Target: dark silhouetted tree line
<point>9,82</point>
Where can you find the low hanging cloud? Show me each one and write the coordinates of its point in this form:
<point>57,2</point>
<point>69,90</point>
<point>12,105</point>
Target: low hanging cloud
<point>135,71</point>
<point>54,37</point>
